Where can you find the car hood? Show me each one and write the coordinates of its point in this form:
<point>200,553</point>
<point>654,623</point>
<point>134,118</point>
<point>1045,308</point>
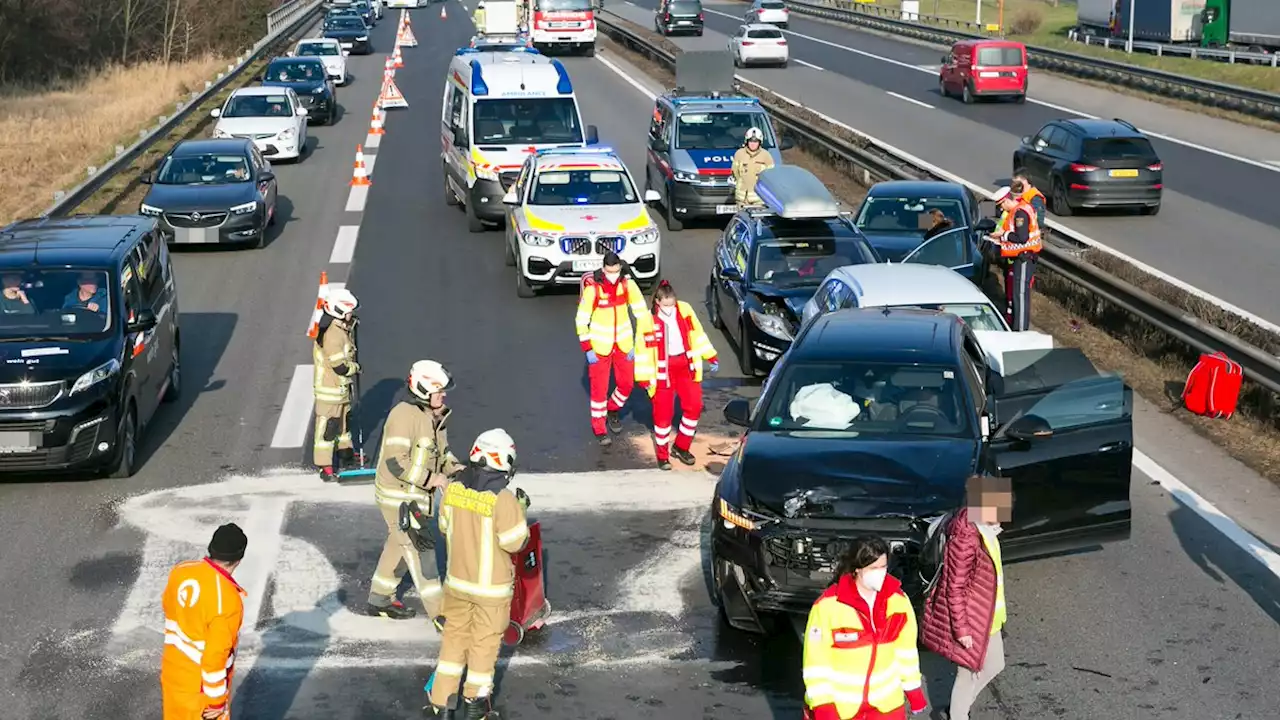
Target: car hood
<point>302,88</point>
<point>332,63</point>
<point>893,246</point>
<point>45,361</point>
<point>596,219</point>
<point>792,299</point>
<point>345,33</point>
<point>255,125</point>
<point>855,477</point>
<point>200,197</point>
<point>710,162</point>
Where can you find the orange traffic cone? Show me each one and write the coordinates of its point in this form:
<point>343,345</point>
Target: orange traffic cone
<point>314,328</point>
<point>375,125</point>
<point>389,67</point>
<point>443,14</point>
<point>360,176</point>
<point>398,61</point>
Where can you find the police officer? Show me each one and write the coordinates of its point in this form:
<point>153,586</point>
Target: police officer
<point>483,524</point>
<point>1018,240</point>
<point>414,461</point>
<point>748,162</point>
<point>333,360</point>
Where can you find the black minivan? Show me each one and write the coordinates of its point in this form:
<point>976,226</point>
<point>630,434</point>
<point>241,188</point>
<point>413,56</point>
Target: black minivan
<point>89,342</point>
<point>679,16</point>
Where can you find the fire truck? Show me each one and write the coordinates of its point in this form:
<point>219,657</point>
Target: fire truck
<point>561,24</point>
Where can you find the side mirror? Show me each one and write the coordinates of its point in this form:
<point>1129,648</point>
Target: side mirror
<point>510,198</point>
<point>738,412</point>
<point>215,113</point>
<point>145,179</point>
<point>985,225</point>
<point>302,112</point>
<point>652,196</point>
<point>346,53</point>
<point>1029,428</point>
<point>593,135</point>
<point>143,321</point>
<point>460,137</point>
<point>1026,139</point>
<point>730,273</point>
<point>785,143</point>
<point>266,176</point>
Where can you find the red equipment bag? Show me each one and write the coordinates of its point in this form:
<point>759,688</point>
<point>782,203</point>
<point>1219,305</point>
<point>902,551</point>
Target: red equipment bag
<point>529,606</point>
<point>1213,386</point>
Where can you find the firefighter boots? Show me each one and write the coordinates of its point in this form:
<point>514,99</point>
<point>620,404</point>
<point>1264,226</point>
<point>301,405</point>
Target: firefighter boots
<point>346,458</point>
<point>478,709</point>
<point>683,455</point>
<point>327,474</point>
<point>615,423</point>
<point>395,611</point>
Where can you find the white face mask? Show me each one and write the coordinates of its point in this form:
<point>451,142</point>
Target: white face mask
<point>874,579</point>
<point>668,311</point>
<point>612,277</point>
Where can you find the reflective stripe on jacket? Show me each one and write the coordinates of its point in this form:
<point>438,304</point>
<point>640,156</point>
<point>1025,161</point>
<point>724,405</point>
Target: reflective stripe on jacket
<point>414,445</point>
<point>856,656</point>
<point>333,362</point>
<point>1010,247</point>
<point>651,348</point>
<point>602,319</point>
<point>482,529</point>
<point>203,609</point>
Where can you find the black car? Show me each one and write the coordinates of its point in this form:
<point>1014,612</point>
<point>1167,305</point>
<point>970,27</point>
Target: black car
<point>771,260</point>
<point>212,191</point>
<point>351,31</point>
<point>896,215</point>
<point>309,79</point>
<point>1083,163</point>
<point>679,16</point>
<point>89,336</point>
<point>871,424</point>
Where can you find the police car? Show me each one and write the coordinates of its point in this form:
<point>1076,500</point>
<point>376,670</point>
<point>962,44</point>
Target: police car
<point>568,208</point>
<point>692,139</point>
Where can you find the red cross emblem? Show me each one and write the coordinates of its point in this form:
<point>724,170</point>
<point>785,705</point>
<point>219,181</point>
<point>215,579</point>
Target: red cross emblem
<point>589,217</point>
<point>531,149</point>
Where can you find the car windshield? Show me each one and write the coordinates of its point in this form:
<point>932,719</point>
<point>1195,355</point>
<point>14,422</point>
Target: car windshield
<point>207,169</point>
<point>684,7</point>
<point>562,5</point>
<point>526,120</point>
<point>907,215</point>
<point>1103,149</point>
<point>257,106</point>
<point>294,72</point>
<point>582,187</point>
<point>48,304</point>
<point>798,262</point>
<point>999,57</point>
<point>345,22</point>
<point>319,49</point>
<point>773,6</point>
<point>979,316</point>
<point>719,130</point>
<point>865,399</point>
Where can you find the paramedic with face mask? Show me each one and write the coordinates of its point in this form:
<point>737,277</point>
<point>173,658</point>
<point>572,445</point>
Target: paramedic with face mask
<point>607,337</point>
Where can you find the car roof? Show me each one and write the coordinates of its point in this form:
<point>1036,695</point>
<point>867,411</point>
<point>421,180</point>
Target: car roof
<point>918,188</point>
<point>260,90</point>
<point>1100,127</point>
<point>898,284</point>
<point>925,337</point>
<point>323,40</point>
<point>994,42</point>
<point>762,26</point>
<point>73,240</point>
<point>295,60</point>
<point>579,159</point>
<point>203,146</point>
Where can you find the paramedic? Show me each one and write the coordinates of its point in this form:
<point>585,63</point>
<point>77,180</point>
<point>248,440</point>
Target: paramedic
<point>605,332</point>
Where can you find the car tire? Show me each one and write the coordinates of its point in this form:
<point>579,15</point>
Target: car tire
<point>968,95</point>
<point>674,223</point>
<point>736,62</point>
<point>784,64</point>
<point>1061,204</point>
<point>1150,210</point>
<point>1020,99</point>
<point>698,34</point>
<point>746,362</point>
<point>174,391</point>
<point>590,51</point>
<point>127,443</point>
<point>768,622</point>
<point>523,288</point>
<point>942,88</point>
<point>474,223</point>
<point>713,305</point>
<point>271,220</point>
<point>784,25</point>
<point>508,254</point>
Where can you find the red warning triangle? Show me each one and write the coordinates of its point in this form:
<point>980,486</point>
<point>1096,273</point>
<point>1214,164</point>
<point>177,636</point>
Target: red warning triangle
<point>391,97</point>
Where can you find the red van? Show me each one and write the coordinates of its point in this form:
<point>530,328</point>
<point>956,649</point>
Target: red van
<point>985,68</point>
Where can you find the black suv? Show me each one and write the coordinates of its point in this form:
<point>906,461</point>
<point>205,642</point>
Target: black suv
<point>1092,164</point>
<point>89,338</point>
<point>679,16</point>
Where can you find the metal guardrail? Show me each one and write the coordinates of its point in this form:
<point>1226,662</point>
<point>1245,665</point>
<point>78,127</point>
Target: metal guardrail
<point>1202,92</point>
<point>875,163</point>
<point>281,22</point>
<point>1193,52</point>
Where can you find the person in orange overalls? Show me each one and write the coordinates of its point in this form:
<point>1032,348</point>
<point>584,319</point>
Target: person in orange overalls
<point>203,609</point>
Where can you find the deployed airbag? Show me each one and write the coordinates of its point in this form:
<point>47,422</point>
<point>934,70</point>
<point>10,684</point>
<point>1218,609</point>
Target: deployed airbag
<point>823,407</point>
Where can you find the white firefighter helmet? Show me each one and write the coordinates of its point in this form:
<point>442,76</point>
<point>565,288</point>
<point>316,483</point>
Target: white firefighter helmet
<point>428,377</point>
<point>496,449</point>
<point>753,134</point>
<point>340,303</point>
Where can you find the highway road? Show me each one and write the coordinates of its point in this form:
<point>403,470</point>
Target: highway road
<point>1218,226</point>
<point>1176,623</point>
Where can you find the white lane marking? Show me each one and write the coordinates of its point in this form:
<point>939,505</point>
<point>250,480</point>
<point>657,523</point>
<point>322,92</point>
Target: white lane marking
<point>263,524</point>
<point>931,69</point>
<point>345,246</point>
<point>295,415</point>
<point>372,141</point>
<point>910,100</point>
<point>369,160</point>
<point>358,197</point>
<point>807,64</point>
<point>630,81</point>
<point>1060,108</point>
<point>1141,460</point>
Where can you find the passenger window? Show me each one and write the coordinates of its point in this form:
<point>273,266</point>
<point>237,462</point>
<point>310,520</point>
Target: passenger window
<point>132,292</point>
<point>1058,140</point>
<point>835,300</point>
<point>950,249</point>
<point>821,297</point>
<point>655,123</point>
<point>1091,401</point>
<point>973,373</point>
<point>151,269</point>
<point>456,104</point>
<point>1042,140</point>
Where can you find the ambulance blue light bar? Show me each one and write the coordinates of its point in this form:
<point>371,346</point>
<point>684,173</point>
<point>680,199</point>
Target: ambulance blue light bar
<point>478,86</point>
<point>592,150</point>
<point>564,86</point>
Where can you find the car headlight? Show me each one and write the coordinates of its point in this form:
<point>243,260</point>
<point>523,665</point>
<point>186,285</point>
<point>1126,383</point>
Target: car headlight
<point>537,239</point>
<point>93,377</point>
<point>220,133</point>
<point>145,209</point>
<point>245,209</point>
<point>320,91</point>
<point>732,517</point>
<point>487,174</point>
<point>645,238</point>
<point>682,176</point>
<point>772,325</point>
<point>363,38</point>
<point>286,134</point>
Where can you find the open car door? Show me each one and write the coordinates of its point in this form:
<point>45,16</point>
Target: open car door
<point>949,249</point>
<point>1063,433</point>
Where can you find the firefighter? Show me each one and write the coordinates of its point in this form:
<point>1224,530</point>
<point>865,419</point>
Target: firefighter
<point>203,608</point>
<point>748,162</point>
<point>1018,240</point>
<point>478,17</point>
<point>333,359</point>
<point>414,461</point>
<point>669,366</point>
<point>605,331</point>
<point>483,524</point>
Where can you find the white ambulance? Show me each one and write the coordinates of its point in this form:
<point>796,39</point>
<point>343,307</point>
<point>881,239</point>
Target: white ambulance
<point>500,107</point>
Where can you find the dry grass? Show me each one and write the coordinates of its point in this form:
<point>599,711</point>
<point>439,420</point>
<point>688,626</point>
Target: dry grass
<point>48,139</point>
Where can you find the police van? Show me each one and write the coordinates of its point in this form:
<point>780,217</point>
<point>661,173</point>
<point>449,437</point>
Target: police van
<point>500,107</point>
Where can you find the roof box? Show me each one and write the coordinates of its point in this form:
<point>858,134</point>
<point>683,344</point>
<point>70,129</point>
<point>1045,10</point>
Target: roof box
<point>794,193</point>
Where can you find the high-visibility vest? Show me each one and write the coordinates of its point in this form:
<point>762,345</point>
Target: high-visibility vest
<point>1032,245</point>
<point>331,350</point>
<point>203,609</point>
<point>992,544</point>
<point>602,319</point>
<point>482,529</point>
<point>1029,197</point>
<point>852,661</point>
<point>651,348</point>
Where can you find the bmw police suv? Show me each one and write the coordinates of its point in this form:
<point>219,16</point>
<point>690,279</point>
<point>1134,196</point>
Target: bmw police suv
<point>568,208</point>
<point>692,139</point>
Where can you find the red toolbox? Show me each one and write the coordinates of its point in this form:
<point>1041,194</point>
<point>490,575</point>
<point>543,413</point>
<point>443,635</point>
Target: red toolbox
<point>529,606</point>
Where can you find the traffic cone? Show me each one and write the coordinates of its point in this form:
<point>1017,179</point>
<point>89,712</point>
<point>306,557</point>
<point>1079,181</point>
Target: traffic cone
<point>443,14</point>
<point>360,176</point>
<point>389,67</point>
<point>313,329</point>
<point>399,61</point>
<point>375,125</point>
<point>391,96</point>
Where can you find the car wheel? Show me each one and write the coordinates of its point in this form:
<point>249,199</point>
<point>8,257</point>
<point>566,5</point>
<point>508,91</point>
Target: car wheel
<point>127,445</point>
<point>271,219</point>
<point>1150,209</point>
<point>698,33</point>
<point>1061,205</point>
<point>784,26</point>
<point>261,241</point>
<point>713,305</point>
<point>1020,99</point>
<point>737,62</point>
<point>968,94</point>
<point>523,288</point>
<point>746,362</point>
<point>333,117</point>
<point>784,64</point>
<point>942,88</point>
<point>449,198</point>
<point>474,223</point>
<point>174,391</point>
<point>508,255</point>
<point>590,51</point>
<point>673,223</point>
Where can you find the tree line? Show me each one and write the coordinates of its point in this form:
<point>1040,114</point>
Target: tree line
<point>47,40</point>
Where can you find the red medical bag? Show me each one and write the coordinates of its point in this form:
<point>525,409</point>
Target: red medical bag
<point>1213,386</point>
<point>529,606</point>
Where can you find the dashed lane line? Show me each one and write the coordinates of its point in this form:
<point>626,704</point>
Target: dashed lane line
<point>345,246</point>
<point>295,414</point>
<point>913,101</point>
<point>809,64</point>
<point>357,198</point>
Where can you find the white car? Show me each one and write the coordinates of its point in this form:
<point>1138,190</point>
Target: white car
<point>567,209</point>
<point>758,44</point>
<point>272,117</point>
<point>770,12</point>
<point>378,9</point>
<point>903,285</point>
<point>330,52</point>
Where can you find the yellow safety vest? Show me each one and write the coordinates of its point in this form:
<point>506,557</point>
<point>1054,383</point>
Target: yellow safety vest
<point>602,320</point>
<point>651,361</point>
<point>992,543</point>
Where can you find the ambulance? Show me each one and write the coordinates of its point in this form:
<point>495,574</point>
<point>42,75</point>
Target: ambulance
<point>499,108</point>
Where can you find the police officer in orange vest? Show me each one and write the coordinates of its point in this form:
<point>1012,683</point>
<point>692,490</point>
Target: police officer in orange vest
<point>1018,239</point>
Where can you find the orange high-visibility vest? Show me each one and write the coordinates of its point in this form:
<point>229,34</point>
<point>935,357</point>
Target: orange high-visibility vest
<point>1032,245</point>
<point>203,609</point>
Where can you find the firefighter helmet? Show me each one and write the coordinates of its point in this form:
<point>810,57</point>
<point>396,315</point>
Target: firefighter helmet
<point>753,134</point>
<point>496,449</point>
<point>428,377</point>
<point>340,303</point>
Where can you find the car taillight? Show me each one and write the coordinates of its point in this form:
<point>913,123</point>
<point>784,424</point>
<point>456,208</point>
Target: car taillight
<point>760,11</point>
<point>1156,167</point>
<point>701,16</point>
<point>667,17</point>
<point>747,42</point>
<point>1078,167</point>
<point>782,42</point>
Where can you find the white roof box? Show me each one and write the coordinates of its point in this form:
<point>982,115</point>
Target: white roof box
<point>795,193</point>
<point>1000,347</point>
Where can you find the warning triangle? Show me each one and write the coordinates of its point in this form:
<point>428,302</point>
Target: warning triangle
<point>391,97</point>
<point>405,38</point>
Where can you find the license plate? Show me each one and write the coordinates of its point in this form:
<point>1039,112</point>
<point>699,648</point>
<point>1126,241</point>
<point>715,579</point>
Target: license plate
<point>587,265</point>
<point>726,209</point>
<point>193,235</point>
<point>682,22</point>
<point>345,46</point>
<point>19,442</point>
<point>1124,173</point>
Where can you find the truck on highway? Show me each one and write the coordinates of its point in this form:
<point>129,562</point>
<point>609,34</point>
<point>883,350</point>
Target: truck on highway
<point>561,24</point>
<point>501,17</point>
<point>1251,25</point>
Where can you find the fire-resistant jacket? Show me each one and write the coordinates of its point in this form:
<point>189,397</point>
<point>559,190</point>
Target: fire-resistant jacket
<point>1020,232</point>
<point>747,167</point>
<point>651,348</point>
<point>855,656</point>
<point>602,319</point>
<point>203,608</point>
<point>483,525</point>
<point>333,357</point>
<point>414,446</point>
<point>969,597</point>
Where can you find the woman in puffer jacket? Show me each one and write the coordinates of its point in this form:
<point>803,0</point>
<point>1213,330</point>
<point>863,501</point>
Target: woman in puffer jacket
<point>964,615</point>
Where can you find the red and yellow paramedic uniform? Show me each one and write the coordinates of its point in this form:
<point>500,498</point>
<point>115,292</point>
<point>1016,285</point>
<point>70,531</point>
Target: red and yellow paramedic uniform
<point>203,609</point>
<point>669,376</point>
<point>605,329</point>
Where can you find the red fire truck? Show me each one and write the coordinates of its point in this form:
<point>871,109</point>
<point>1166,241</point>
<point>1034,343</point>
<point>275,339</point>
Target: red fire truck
<point>562,24</point>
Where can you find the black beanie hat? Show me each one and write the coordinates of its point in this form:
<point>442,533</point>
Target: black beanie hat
<point>228,543</point>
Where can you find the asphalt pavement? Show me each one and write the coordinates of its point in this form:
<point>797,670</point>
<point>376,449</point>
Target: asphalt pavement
<point>1217,227</point>
<point>1176,623</point>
